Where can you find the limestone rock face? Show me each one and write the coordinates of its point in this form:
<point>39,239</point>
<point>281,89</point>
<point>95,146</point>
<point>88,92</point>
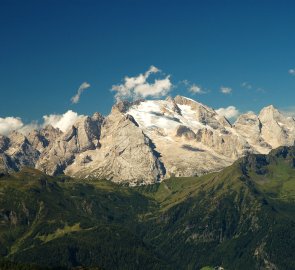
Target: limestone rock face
<point>123,105</point>
<point>226,144</point>
<point>145,141</point>
<point>270,129</point>
<point>16,152</point>
<point>186,132</point>
<point>174,106</point>
<point>4,143</point>
<point>6,164</point>
<point>40,139</point>
<point>83,135</point>
<point>174,133</point>
<point>126,155</point>
<point>276,129</point>
<point>250,126</point>
<point>203,114</point>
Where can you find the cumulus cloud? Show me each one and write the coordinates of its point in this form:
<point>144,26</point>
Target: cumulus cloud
<point>138,86</point>
<point>26,129</point>
<point>9,124</point>
<point>75,99</point>
<point>61,121</point>
<point>230,112</point>
<point>225,90</point>
<point>195,89</point>
<point>292,71</point>
<point>192,87</point>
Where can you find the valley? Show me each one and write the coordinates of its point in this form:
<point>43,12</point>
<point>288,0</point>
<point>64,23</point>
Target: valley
<point>239,218</point>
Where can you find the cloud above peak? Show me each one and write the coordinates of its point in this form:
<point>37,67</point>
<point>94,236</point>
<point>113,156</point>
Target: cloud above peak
<point>61,121</point>
<point>292,71</point>
<point>9,124</point>
<point>230,112</point>
<point>196,89</point>
<point>225,90</point>
<point>76,98</point>
<point>139,87</point>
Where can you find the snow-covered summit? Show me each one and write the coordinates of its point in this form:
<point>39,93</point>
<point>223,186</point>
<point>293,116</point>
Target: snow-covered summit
<point>148,140</point>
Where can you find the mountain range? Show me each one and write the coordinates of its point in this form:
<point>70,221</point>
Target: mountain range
<point>146,141</point>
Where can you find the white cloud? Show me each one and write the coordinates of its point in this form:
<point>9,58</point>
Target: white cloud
<point>192,87</point>
<point>29,127</point>
<point>185,82</point>
<point>9,124</point>
<point>75,99</point>
<point>139,87</point>
<point>230,112</point>
<point>247,85</point>
<point>61,121</point>
<point>195,89</point>
<point>225,90</point>
<point>292,71</point>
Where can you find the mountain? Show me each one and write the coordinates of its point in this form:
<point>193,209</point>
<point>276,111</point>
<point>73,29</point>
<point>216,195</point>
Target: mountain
<point>16,152</point>
<point>146,141</point>
<point>239,218</point>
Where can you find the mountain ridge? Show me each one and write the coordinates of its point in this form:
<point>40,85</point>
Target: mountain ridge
<point>138,137</point>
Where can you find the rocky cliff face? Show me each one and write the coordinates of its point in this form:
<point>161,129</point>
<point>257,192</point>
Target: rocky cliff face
<point>40,139</point>
<point>82,136</point>
<point>16,152</point>
<point>126,154</point>
<point>276,128</point>
<point>145,141</point>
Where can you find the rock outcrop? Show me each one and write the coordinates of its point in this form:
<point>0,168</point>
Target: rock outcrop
<point>40,139</point>
<point>249,126</point>
<point>204,114</point>
<point>145,141</point>
<point>16,152</point>
<point>126,154</point>
<point>276,129</point>
<point>186,132</point>
<point>82,136</point>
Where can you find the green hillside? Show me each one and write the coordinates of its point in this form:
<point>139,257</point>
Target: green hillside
<point>240,218</point>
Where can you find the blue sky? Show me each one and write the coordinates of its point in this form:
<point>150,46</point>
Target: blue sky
<point>49,48</point>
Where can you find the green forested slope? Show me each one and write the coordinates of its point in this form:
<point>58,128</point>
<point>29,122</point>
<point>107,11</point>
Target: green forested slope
<point>240,218</point>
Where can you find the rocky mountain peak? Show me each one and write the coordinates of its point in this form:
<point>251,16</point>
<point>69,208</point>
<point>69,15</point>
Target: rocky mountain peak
<point>276,129</point>
<point>16,152</point>
<point>41,138</point>
<point>248,121</point>
<point>82,136</point>
<point>97,117</point>
<point>49,131</point>
<point>122,106</point>
<point>147,140</point>
<point>269,113</point>
<point>16,137</point>
<point>181,100</point>
<point>175,108</point>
